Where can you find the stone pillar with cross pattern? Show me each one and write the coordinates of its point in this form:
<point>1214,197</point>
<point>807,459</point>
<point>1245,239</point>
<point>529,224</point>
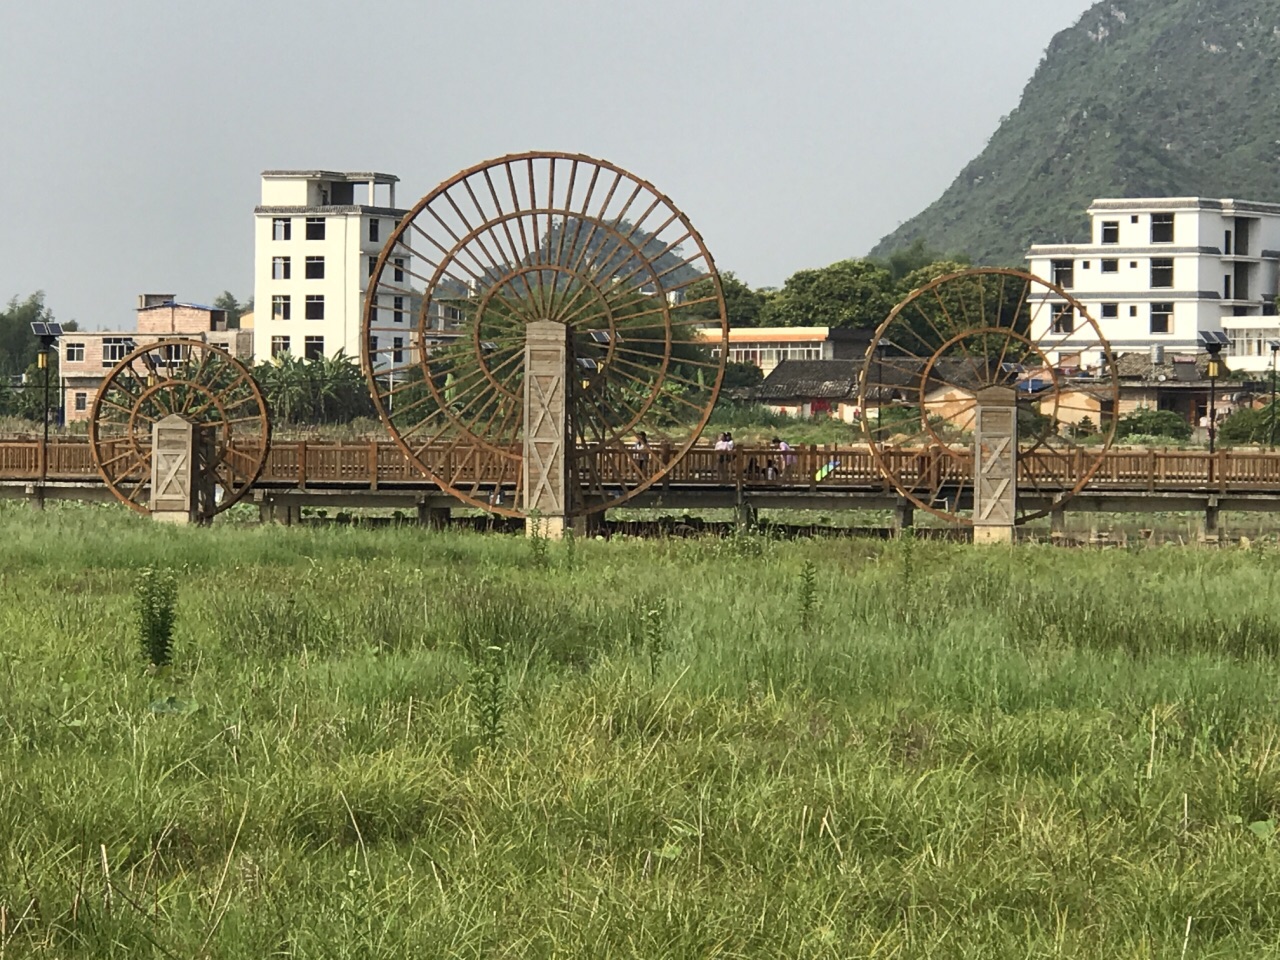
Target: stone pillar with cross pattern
<point>182,480</point>
<point>995,489</point>
<point>548,437</point>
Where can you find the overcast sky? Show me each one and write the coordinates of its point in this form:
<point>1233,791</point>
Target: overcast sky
<point>792,134</point>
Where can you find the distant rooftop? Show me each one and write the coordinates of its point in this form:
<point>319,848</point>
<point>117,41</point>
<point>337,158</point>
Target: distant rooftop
<point>1183,203</point>
<point>345,176</point>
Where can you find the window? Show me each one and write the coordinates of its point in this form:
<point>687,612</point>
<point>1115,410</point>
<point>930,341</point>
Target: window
<point>1110,311</point>
<point>1133,311</point>
<point>1226,243</point>
<point>399,274</point>
<point>1064,318</point>
<point>281,228</point>
<point>397,353</point>
<point>1226,287</point>
<point>1162,228</point>
<point>397,309</point>
<point>1133,264</point>
<point>281,268</point>
<point>75,353</point>
<point>1162,273</point>
<point>315,228</point>
<point>1110,266</point>
<point>279,346</point>
<point>315,307</point>
<point>173,354</point>
<point>373,346</point>
<point>373,312</point>
<point>313,348</point>
<point>281,307</point>
<point>1111,231</point>
<point>1134,218</point>
<point>82,401</point>
<point>373,230</point>
<point>1160,317</point>
<point>373,265</point>
<point>1064,273</point>
<point>114,349</point>
<point>315,268</point>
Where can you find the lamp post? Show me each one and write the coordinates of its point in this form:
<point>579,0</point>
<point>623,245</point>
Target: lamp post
<point>1275,347</point>
<point>1213,341</point>
<point>48,333</point>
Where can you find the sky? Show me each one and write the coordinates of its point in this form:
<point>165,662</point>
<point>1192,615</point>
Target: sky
<point>792,134</point>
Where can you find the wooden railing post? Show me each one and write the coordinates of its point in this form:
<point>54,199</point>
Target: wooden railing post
<point>302,464</point>
<point>373,464</point>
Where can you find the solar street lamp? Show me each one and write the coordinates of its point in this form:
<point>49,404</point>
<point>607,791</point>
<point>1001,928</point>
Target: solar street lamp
<point>48,334</point>
<point>1213,341</point>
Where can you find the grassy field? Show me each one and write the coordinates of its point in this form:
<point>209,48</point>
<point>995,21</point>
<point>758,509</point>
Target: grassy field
<point>389,743</point>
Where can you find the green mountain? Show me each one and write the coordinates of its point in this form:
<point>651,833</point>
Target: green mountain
<point>1140,98</point>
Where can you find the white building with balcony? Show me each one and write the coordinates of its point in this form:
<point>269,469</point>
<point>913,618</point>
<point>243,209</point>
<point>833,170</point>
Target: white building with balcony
<point>317,236</point>
<point>1159,271</point>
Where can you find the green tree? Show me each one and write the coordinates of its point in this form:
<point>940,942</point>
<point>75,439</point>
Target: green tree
<point>917,257</point>
<point>1153,423</point>
<point>18,345</point>
<point>227,301</point>
<point>739,375</point>
<point>850,293</point>
<point>1247,426</point>
<point>742,304</point>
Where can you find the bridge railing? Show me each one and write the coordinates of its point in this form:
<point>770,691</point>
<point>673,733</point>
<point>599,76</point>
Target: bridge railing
<point>369,464</point>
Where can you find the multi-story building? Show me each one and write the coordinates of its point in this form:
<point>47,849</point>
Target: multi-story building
<point>87,356</point>
<point>317,237</point>
<point>766,347</point>
<point>1160,271</point>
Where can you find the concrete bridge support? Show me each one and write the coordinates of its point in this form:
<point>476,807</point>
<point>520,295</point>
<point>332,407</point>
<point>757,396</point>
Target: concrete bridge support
<point>1212,518</point>
<point>995,488</point>
<point>437,518</point>
<point>182,479</point>
<point>547,432</point>
<point>904,515</point>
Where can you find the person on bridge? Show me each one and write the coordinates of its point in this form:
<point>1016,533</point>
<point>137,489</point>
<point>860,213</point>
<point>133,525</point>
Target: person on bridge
<point>777,465</point>
<point>724,446</point>
<point>640,453</point>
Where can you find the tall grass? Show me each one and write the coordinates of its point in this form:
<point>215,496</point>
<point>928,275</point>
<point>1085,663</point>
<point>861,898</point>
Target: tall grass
<point>966,753</point>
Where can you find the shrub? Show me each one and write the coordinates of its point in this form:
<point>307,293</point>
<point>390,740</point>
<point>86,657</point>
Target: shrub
<point>1153,423</point>
<point>157,613</point>
<point>1246,426</point>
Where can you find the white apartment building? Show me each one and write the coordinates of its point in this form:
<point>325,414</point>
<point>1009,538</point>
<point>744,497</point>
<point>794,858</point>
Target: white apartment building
<point>1159,271</point>
<point>317,236</point>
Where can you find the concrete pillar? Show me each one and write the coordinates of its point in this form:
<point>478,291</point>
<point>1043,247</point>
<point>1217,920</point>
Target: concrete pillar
<point>35,495</point>
<point>182,479</point>
<point>1058,523</point>
<point>547,432</point>
<point>995,492</point>
<point>746,516</point>
<point>1212,530</point>
<point>904,515</point>
<point>437,518</point>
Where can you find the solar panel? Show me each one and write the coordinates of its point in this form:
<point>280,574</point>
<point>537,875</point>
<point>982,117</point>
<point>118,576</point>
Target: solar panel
<point>43,329</point>
<point>1213,338</point>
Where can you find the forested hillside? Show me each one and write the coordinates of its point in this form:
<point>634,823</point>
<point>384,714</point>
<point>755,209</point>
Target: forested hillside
<point>1140,98</point>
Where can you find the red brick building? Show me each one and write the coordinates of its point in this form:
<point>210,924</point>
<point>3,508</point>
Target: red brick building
<point>87,356</point>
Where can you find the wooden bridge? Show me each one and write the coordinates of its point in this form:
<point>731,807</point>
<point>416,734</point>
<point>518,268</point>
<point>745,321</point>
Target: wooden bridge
<point>375,473</point>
